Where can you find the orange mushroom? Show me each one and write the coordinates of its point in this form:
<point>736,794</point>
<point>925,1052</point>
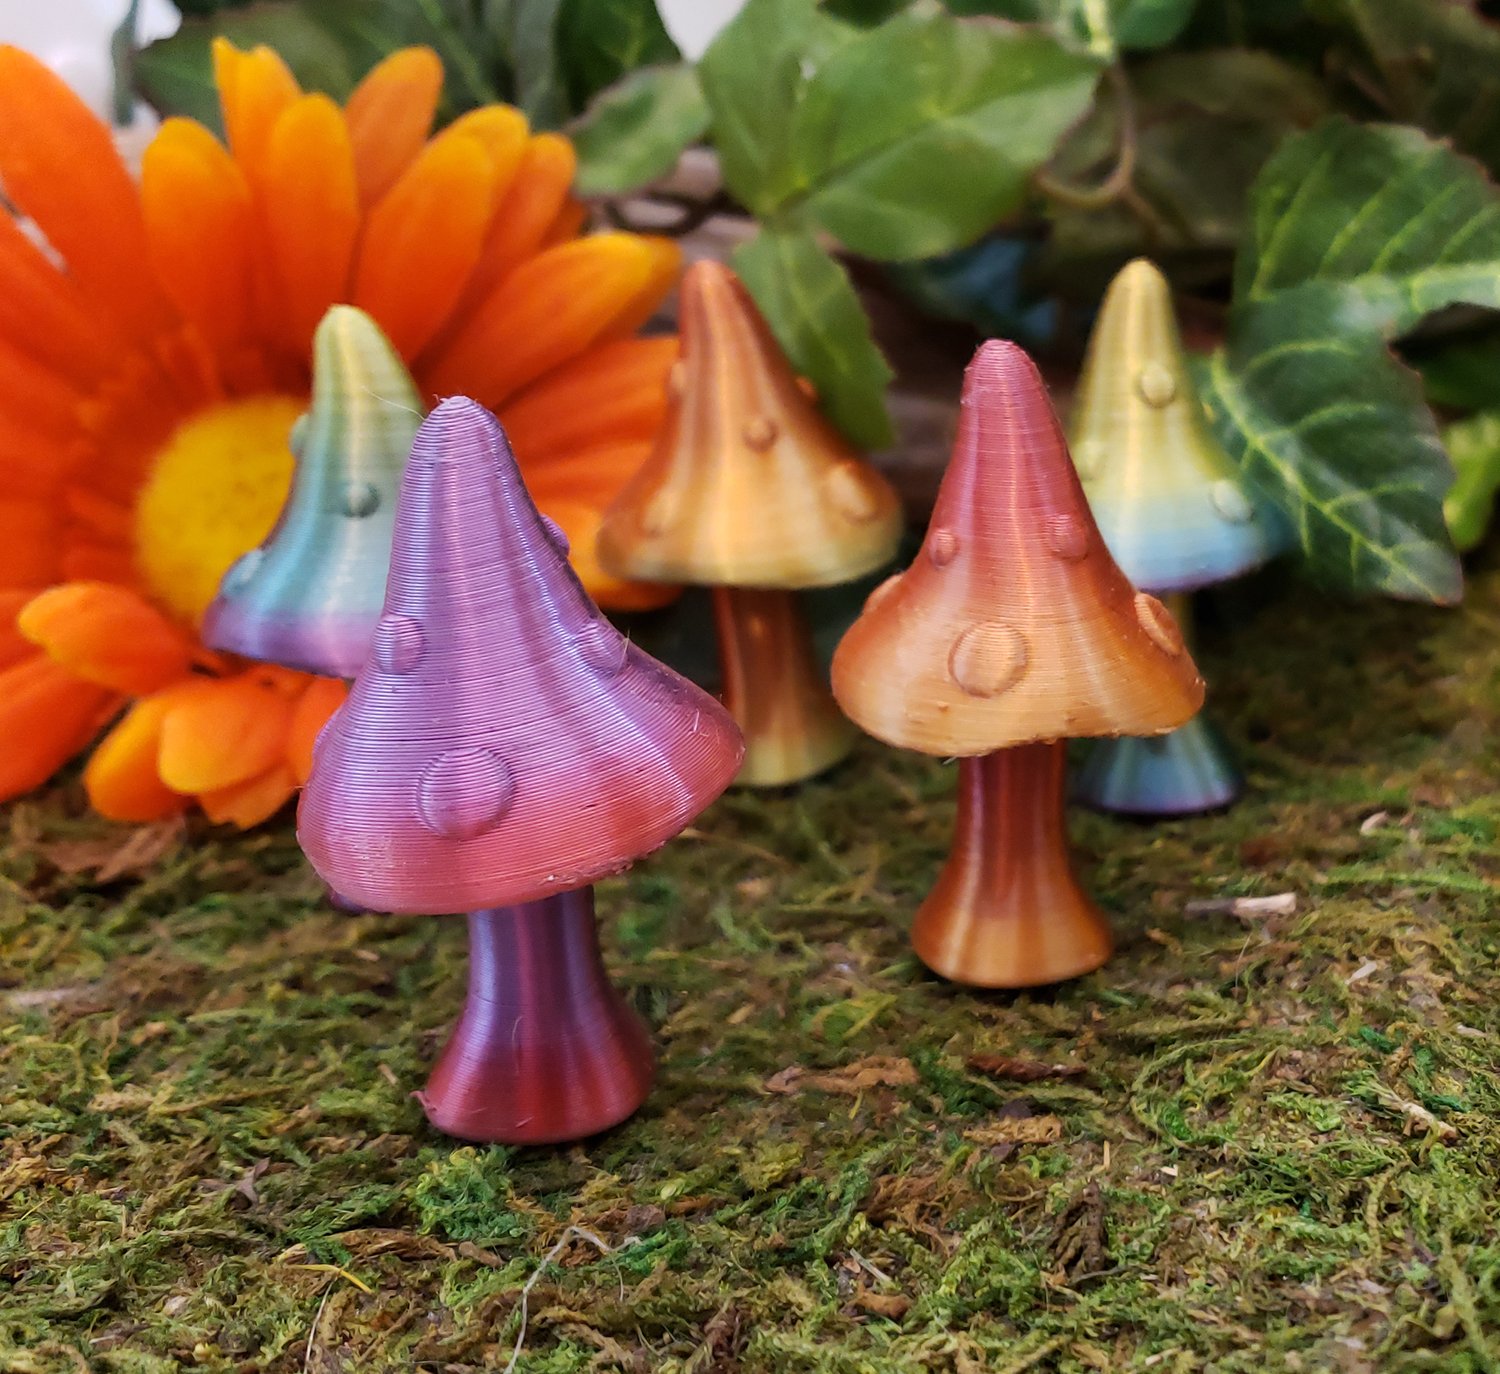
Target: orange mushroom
<point>751,492</point>
<point>1013,630</point>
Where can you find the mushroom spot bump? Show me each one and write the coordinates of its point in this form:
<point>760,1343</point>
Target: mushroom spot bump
<point>463,792</point>
<point>881,592</point>
<point>555,535</point>
<point>1230,502</point>
<point>1156,620</point>
<point>677,378</point>
<point>850,493</point>
<point>659,514</point>
<point>1067,537</point>
<point>360,499</point>
<point>988,658</point>
<point>1155,385</point>
<point>1088,457</point>
<point>399,643</point>
<point>602,647</point>
<point>242,573</point>
<point>942,547</point>
<point>760,432</point>
<point>296,440</point>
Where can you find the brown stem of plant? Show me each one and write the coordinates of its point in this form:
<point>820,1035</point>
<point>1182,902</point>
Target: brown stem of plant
<point>1121,176</point>
<point>1006,911</point>
<point>693,213</point>
<point>775,688</point>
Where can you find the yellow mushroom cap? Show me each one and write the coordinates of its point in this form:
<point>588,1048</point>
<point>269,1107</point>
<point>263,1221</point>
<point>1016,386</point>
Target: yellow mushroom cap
<point>747,485</point>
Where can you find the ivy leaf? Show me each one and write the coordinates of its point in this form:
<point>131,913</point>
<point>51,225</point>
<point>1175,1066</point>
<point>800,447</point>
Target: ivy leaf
<point>1474,444</point>
<point>1357,232</point>
<point>599,41</point>
<point>754,76</point>
<point>635,131</point>
<point>811,307</point>
<point>916,137</point>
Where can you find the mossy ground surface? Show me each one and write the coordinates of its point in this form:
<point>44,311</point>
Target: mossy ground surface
<point>1275,1145</point>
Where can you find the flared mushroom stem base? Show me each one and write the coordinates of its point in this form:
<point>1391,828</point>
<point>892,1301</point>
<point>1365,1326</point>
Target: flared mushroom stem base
<point>776,689</point>
<point>547,1049</point>
<point>1006,911</point>
<point>1184,773</point>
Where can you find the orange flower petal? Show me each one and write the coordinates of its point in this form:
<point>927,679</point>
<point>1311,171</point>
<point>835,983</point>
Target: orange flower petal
<point>200,223</point>
<point>389,116</point>
<point>617,391</point>
<point>59,165</point>
<point>88,562</point>
<point>46,315</point>
<point>255,89</point>
<point>107,635</point>
<point>549,310</point>
<point>594,475</point>
<point>46,716</point>
<point>311,209</point>
<point>229,731</point>
<point>29,546</point>
<point>324,696</point>
<point>121,776</point>
<point>14,646</point>
<point>36,392</point>
<point>33,464</point>
<point>537,194</point>
<point>423,240</point>
<point>250,802</point>
<point>580,522</point>
<point>567,223</point>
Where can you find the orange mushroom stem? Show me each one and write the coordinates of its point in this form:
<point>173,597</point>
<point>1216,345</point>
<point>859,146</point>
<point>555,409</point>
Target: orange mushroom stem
<point>1006,911</point>
<point>749,491</point>
<point>775,688</point>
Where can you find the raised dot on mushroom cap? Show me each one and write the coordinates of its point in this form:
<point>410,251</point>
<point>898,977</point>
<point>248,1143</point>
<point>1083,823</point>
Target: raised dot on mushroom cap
<point>1155,385</point>
<point>360,499</point>
<point>1067,537</point>
<point>243,571</point>
<point>555,535</point>
<point>988,658</point>
<point>1156,620</point>
<point>942,547</point>
<point>659,514</point>
<point>1088,457</point>
<point>1230,502</point>
<point>850,494</point>
<point>398,643</point>
<point>463,792</point>
<point>760,432</point>
<point>602,647</point>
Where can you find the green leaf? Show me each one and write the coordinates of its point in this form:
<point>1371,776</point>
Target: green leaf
<point>1104,25</point>
<point>1438,65</point>
<point>754,75</point>
<point>527,33</point>
<point>635,131</point>
<point>1474,445</point>
<point>919,135</point>
<point>810,305</point>
<point>1334,431</point>
<point>176,74</point>
<point>599,41</point>
<point>1461,374</point>
<point>1357,233</point>
<point>1207,122</point>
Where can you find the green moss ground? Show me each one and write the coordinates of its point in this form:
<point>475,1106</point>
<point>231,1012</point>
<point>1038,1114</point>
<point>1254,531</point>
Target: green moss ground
<point>1280,1150</point>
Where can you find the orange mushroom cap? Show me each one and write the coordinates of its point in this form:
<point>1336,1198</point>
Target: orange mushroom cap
<point>747,486</point>
<point>1014,624</point>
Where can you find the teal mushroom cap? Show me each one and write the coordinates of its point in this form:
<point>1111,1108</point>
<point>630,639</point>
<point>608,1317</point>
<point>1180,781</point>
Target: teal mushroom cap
<point>1173,508</point>
<point>310,596</point>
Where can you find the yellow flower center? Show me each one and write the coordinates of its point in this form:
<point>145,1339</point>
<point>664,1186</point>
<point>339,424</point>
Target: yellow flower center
<point>214,493</point>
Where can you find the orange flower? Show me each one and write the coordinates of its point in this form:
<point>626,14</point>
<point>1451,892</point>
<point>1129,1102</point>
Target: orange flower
<point>155,350</point>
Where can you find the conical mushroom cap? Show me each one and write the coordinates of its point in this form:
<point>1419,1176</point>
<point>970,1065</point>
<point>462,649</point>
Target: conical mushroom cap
<point>310,595</point>
<point>1014,624</point>
<point>747,486</point>
<point>503,742</point>
<point>1170,503</point>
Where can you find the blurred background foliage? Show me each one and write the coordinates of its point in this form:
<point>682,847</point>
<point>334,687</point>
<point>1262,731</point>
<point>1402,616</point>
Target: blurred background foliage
<point>1315,175</point>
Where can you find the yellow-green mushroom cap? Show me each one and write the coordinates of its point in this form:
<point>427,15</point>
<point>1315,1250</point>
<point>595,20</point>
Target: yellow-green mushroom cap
<point>1170,503</point>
